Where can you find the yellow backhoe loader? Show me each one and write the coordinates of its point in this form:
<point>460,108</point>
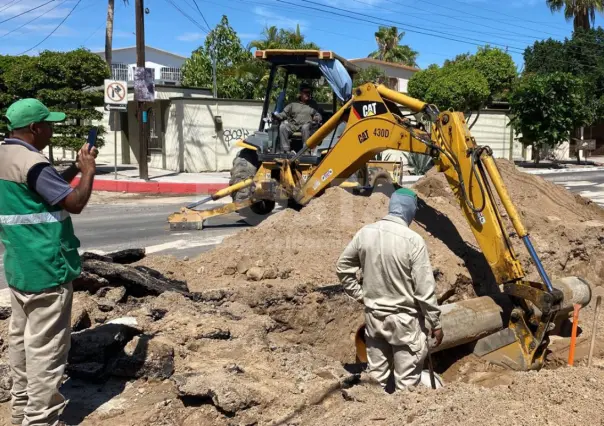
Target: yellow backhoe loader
<point>510,328</point>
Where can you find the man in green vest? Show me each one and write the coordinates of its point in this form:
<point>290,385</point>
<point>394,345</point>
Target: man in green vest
<point>40,260</point>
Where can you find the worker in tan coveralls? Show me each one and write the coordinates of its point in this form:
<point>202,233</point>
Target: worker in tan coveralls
<point>302,116</point>
<point>398,291</point>
<point>41,259</point>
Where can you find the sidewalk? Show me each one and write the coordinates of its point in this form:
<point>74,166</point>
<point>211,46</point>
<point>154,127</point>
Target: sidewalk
<point>168,182</point>
<point>160,181</point>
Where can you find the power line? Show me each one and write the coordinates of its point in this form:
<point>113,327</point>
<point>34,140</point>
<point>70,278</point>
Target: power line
<point>402,26</point>
<point>197,24</point>
<point>32,20</point>
<point>27,11</point>
<point>54,30</point>
<point>9,4</point>
<point>449,26</point>
<point>203,17</point>
<point>516,18</point>
<point>462,19</point>
<point>93,33</point>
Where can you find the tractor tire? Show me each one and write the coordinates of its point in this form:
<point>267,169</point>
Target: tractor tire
<point>245,166</point>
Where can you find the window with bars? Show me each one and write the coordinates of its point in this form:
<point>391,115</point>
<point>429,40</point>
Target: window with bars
<point>170,74</point>
<point>119,72</point>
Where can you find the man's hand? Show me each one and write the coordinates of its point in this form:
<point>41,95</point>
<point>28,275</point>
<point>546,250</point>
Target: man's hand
<point>438,336</point>
<point>86,160</point>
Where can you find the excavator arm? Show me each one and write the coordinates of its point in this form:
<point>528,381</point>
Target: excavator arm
<point>375,125</point>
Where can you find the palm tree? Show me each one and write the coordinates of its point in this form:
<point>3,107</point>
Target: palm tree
<point>582,12</point>
<point>271,40</point>
<point>388,40</point>
<point>109,30</point>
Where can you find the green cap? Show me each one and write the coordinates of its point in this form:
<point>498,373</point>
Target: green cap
<point>406,191</point>
<point>27,111</point>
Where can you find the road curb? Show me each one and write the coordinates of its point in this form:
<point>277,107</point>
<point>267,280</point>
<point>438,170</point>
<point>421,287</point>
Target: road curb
<point>154,187</point>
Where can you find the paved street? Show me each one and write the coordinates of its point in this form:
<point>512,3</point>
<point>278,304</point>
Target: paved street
<point>130,224</point>
<point>113,224</point>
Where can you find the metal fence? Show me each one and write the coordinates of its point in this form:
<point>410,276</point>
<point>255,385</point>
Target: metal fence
<point>170,74</point>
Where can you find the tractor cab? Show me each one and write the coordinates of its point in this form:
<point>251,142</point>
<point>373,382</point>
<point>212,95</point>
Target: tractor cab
<point>309,66</point>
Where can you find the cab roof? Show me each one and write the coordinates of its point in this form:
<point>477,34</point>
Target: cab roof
<point>297,61</point>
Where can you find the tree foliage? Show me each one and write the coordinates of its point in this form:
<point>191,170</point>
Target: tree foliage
<point>64,81</point>
<point>468,82</point>
<point>390,48</point>
<point>582,56</point>
<point>546,108</point>
<point>223,44</point>
<point>371,74</point>
<point>582,12</point>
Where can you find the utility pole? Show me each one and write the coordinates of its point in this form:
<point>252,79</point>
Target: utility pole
<point>140,106</point>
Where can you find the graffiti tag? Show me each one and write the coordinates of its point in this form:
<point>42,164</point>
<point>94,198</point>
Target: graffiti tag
<point>233,135</point>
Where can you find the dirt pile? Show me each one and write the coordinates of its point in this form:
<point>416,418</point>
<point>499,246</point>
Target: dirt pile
<point>566,229</point>
<point>301,248</point>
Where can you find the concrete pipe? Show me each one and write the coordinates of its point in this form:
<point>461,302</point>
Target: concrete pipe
<point>470,320</point>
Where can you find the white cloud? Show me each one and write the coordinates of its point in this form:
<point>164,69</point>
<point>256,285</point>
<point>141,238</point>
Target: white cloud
<point>190,37</point>
<point>266,17</point>
<point>50,11</point>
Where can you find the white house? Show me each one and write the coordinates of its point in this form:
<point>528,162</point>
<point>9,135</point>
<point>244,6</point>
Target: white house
<point>398,74</point>
<point>166,65</point>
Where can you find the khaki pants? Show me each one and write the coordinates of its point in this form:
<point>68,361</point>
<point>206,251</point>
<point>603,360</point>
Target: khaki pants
<point>39,341</point>
<point>396,344</point>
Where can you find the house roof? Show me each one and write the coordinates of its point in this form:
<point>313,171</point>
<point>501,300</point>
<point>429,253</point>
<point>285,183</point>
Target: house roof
<point>146,48</point>
<point>388,64</point>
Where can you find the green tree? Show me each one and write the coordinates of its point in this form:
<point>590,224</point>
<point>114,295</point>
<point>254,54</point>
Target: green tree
<point>223,44</point>
<point>271,40</point>
<point>460,88</point>
<point>546,108</point>
<point>467,82</point>
<point>582,56</point>
<point>582,12</point>
<point>390,48</point>
<point>498,68</point>
<point>64,81</point>
<point>371,74</point>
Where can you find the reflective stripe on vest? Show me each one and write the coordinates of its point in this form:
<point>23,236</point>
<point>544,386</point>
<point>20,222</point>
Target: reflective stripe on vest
<point>34,218</point>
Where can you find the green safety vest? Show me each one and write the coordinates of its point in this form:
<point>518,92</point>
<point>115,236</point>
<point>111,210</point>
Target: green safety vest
<point>41,249</point>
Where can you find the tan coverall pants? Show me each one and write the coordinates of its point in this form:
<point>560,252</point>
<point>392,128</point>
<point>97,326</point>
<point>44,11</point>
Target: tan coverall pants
<point>39,342</point>
<point>396,344</point>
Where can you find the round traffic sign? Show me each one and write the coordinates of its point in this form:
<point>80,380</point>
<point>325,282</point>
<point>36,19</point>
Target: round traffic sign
<point>116,92</point>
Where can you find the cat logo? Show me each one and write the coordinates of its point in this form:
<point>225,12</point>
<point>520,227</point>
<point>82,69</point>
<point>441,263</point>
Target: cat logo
<point>370,109</point>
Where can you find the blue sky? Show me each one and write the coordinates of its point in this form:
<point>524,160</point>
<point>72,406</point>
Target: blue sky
<point>437,29</point>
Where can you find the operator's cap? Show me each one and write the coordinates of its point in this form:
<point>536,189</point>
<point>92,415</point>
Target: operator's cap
<point>403,204</point>
<point>27,111</point>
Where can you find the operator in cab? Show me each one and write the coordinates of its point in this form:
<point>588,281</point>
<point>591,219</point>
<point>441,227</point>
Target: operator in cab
<point>302,116</point>
<point>398,291</point>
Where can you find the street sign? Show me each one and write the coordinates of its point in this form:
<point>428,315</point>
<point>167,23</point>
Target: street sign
<point>116,95</point>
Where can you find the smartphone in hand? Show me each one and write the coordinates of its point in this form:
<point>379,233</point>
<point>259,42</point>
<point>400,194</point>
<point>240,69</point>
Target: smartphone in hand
<point>92,135</point>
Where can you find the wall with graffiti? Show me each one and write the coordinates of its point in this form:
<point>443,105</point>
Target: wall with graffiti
<point>192,141</point>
